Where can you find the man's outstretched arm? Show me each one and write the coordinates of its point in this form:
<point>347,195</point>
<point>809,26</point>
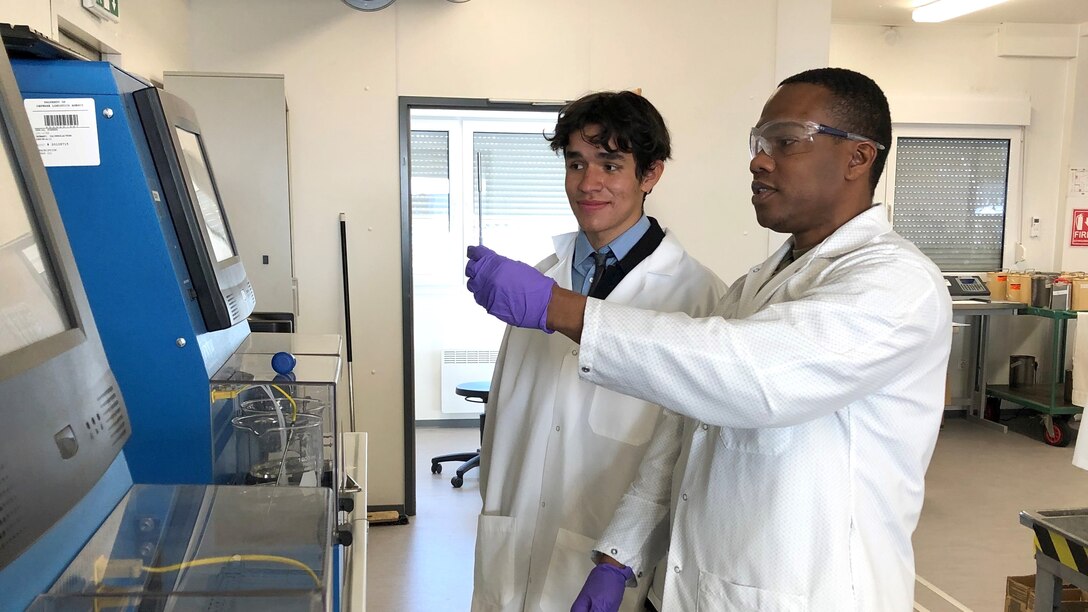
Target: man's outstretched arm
<point>566,313</point>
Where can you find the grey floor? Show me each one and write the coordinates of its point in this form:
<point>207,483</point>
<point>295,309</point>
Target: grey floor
<point>967,541</point>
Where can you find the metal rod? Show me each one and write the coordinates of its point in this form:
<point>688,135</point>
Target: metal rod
<point>480,196</point>
<point>347,317</point>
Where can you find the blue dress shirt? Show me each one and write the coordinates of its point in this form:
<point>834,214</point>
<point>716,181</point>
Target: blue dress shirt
<point>582,267</point>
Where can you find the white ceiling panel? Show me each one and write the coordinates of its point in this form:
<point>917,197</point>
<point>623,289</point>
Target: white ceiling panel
<point>897,12</point>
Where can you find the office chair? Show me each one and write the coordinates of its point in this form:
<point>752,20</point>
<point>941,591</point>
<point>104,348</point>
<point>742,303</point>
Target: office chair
<point>475,392</point>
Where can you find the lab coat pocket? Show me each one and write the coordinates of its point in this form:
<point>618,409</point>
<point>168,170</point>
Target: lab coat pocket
<point>567,570</point>
<point>493,576</point>
<point>766,441</point>
<point>616,417</point>
<point>716,594</point>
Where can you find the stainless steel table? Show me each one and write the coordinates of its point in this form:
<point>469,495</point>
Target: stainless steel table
<point>978,314</point>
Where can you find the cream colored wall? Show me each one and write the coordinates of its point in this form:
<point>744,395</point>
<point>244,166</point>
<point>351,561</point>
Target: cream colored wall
<point>1076,146</point>
<point>149,38</point>
<point>33,13</point>
<point>970,68</point>
<point>345,69</point>
<point>972,74</point>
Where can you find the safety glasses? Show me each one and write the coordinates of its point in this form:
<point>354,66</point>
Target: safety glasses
<point>783,138</point>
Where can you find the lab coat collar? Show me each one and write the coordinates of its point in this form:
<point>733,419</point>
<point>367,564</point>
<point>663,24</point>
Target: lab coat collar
<point>853,234</point>
<point>662,263</point>
<point>564,253</point>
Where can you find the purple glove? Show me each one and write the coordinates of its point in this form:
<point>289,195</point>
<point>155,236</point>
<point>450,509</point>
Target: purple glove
<point>603,590</point>
<point>514,292</point>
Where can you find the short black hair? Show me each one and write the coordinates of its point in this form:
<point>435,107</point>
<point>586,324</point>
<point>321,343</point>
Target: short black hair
<point>628,123</point>
<point>858,105</point>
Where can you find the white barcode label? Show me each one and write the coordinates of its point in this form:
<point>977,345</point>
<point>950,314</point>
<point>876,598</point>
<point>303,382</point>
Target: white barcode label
<point>65,130</point>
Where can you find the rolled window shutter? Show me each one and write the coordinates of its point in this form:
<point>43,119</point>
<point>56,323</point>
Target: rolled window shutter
<point>430,152</point>
<point>517,175</point>
<point>950,199</point>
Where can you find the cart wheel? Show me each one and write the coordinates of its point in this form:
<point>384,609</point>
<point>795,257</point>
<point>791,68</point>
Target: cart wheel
<point>457,481</point>
<point>1059,435</point>
<point>436,468</point>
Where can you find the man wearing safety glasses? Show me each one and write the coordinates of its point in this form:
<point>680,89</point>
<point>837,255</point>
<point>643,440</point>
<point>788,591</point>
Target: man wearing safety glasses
<point>813,397</point>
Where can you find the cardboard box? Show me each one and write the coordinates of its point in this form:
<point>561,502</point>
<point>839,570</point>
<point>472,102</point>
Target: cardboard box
<point>1020,596</point>
<point>1078,294</point>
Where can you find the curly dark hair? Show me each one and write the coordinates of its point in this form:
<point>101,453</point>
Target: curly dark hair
<point>858,106</point>
<point>628,124</point>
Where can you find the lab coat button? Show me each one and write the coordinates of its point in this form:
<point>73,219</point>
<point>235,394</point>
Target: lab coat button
<point>574,352</point>
<point>684,497</point>
<point>541,504</point>
<point>676,568</point>
<point>705,427</point>
<point>585,369</point>
<point>639,575</point>
<point>615,552</point>
<point>557,428</point>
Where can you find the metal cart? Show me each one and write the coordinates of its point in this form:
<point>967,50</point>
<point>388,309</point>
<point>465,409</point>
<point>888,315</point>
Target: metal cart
<point>1046,397</point>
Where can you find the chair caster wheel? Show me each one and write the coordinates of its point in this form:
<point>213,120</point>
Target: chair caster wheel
<point>436,468</point>
<point>457,481</point>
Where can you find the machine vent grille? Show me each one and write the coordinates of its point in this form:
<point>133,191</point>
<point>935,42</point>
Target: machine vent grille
<point>10,524</point>
<point>113,419</point>
<point>109,419</point>
<point>232,304</point>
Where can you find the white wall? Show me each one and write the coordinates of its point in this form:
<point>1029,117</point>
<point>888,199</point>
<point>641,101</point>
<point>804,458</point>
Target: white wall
<point>149,38</point>
<point>344,70</point>
<point>1076,146</point>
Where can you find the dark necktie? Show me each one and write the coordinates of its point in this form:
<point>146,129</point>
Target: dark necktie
<point>599,265</point>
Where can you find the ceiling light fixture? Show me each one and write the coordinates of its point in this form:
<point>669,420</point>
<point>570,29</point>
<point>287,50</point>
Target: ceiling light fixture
<point>369,5</point>
<point>943,10</point>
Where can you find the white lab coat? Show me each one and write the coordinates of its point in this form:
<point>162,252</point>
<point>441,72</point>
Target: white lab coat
<point>558,453</point>
<point>813,406</point>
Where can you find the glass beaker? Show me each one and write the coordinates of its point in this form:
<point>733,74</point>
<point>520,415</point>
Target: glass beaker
<point>266,405</point>
<point>279,450</point>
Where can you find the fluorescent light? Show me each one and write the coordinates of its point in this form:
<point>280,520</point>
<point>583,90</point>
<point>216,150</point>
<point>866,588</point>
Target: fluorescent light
<point>943,10</point>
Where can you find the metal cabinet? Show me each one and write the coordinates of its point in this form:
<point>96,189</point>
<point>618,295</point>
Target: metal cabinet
<point>244,121</point>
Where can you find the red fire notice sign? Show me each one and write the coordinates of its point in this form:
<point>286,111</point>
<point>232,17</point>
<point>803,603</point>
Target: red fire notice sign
<point>1079,236</point>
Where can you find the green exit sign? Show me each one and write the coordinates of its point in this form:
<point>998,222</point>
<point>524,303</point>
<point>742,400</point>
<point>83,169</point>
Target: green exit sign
<point>105,9</point>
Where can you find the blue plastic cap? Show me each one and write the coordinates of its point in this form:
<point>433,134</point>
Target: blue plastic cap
<point>283,362</point>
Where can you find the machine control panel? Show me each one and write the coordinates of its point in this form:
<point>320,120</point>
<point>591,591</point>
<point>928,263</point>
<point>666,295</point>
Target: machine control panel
<point>967,286</point>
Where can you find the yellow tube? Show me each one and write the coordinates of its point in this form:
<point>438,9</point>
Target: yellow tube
<point>234,559</point>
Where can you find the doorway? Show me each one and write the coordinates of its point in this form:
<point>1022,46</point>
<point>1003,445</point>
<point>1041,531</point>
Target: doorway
<point>472,172</point>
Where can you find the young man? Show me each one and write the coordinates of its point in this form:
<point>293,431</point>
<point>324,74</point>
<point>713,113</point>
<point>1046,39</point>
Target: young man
<point>559,453</point>
<point>813,397</point>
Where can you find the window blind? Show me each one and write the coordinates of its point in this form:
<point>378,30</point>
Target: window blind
<point>950,199</point>
<point>517,175</point>
<point>430,174</point>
